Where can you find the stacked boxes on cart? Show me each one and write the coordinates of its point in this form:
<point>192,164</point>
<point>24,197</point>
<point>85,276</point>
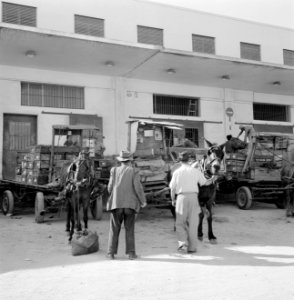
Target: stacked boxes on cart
<point>34,166</point>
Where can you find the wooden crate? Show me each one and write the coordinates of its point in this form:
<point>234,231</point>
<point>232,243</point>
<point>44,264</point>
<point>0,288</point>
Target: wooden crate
<point>40,149</point>
<point>40,179</point>
<point>267,174</point>
<point>41,164</point>
<point>42,156</point>
<point>235,156</point>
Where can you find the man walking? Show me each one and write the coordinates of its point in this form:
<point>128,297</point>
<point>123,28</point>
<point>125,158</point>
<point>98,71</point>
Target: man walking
<point>184,195</point>
<point>126,198</point>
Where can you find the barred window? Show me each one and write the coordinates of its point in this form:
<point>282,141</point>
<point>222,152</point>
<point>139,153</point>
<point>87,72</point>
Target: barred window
<point>270,112</point>
<point>89,26</point>
<point>203,44</point>
<point>49,95</point>
<point>19,14</point>
<point>171,105</point>
<point>192,135</point>
<point>150,35</point>
<point>288,57</point>
<point>250,51</point>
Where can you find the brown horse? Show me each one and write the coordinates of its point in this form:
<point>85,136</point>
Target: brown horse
<point>210,166</point>
<point>78,186</point>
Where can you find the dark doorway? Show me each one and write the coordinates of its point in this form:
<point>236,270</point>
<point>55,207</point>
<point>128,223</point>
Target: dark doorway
<point>20,132</point>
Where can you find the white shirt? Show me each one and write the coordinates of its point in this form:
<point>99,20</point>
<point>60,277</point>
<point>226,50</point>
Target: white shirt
<point>186,180</point>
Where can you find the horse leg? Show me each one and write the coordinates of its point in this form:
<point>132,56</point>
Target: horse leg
<point>200,223</point>
<point>72,218</point>
<point>211,236</point>
<point>68,215</point>
<point>86,203</point>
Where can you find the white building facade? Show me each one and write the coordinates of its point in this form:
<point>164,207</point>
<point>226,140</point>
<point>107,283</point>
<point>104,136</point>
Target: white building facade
<point>122,59</point>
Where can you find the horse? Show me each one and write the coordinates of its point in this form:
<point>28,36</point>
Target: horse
<point>287,176</point>
<point>209,165</point>
<point>77,190</point>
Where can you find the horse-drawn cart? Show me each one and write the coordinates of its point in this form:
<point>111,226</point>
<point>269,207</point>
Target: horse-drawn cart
<point>38,180</point>
<point>254,173</point>
<point>43,196</point>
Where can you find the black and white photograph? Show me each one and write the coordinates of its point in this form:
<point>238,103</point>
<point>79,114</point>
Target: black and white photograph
<point>146,149</point>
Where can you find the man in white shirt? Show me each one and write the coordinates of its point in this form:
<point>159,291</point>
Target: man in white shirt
<point>184,195</point>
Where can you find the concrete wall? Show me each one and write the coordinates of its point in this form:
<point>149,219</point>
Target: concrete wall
<point>127,14</point>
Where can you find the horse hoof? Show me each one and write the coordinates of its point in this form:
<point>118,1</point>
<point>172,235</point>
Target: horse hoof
<point>213,241</point>
<point>200,238</point>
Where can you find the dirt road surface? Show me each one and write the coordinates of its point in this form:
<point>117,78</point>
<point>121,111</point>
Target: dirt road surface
<point>254,259</point>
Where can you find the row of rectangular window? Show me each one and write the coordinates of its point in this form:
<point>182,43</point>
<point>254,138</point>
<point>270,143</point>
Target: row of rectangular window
<point>26,15</point>
<point>73,97</point>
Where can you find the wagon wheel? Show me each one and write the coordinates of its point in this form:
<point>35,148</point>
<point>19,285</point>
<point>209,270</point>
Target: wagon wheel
<point>7,203</point>
<point>96,207</point>
<point>244,197</point>
<point>39,207</point>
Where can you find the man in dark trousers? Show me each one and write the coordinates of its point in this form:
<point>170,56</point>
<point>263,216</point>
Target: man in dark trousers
<point>184,195</point>
<point>126,198</point>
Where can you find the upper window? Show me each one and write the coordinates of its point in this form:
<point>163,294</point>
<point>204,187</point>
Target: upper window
<point>19,14</point>
<point>180,106</point>
<point>150,35</point>
<point>270,112</point>
<point>288,57</point>
<point>250,51</point>
<point>51,95</point>
<point>89,26</point>
<point>203,44</point>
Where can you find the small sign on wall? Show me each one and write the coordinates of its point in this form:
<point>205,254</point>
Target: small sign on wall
<point>148,133</point>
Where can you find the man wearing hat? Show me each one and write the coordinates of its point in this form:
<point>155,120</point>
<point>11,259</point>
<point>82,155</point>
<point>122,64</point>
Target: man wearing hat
<point>126,198</point>
<point>184,195</point>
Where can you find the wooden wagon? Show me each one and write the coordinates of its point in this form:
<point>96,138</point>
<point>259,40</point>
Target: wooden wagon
<point>254,174</point>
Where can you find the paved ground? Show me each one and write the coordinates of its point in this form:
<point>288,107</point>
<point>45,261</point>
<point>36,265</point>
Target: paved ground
<point>254,259</point>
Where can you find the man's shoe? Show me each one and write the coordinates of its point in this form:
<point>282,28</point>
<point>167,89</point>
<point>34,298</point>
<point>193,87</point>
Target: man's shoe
<point>110,256</point>
<point>182,248</point>
<point>133,256</point>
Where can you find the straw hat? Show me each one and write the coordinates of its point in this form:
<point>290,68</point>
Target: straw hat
<point>125,156</point>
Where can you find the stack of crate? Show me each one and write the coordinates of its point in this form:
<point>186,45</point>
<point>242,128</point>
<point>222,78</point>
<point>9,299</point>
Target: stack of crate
<point>35,166</point>
<point>234,163</point>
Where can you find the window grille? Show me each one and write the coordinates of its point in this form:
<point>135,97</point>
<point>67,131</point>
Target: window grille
<point>180,106</point>
<point>250,51</point>
<point>270,112</point>
<point>288,57</point>
<point>49,95</point>
<point>203,44</point>
<point>19,14</point>
<point>192,135</point>
<point>89,26</point>
<point>150,35</point>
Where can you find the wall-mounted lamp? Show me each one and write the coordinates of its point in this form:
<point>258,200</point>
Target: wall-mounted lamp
<point>171,71</point>
<point>276,83</point>
<point>225,77</point>
<point>109,63</point>
<point>31,54</point>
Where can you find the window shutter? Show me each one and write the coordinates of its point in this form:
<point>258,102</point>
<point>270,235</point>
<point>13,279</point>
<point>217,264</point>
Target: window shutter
<point>19,14</point>
<point>89,26</point>
<point>288,57</point>
<point>50,95</point>
<point>203,44</point>
<point>150,35</point>
<point>250,51</point>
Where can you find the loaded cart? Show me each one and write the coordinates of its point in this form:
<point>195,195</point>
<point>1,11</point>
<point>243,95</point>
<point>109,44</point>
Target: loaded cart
<point>254,173</point>
<point>38,178</point>
<point>156,145</point>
